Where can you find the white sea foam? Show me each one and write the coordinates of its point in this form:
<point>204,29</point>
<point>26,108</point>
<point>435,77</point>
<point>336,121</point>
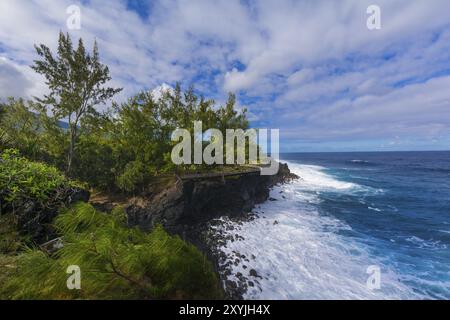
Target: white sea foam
<point>301,254</point>
<point>315,179</point>
<point>359,161</point>
<point>428,244</point>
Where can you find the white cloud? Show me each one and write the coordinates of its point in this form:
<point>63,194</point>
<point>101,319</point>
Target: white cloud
<point>12,82</point>
<point>160,90</point>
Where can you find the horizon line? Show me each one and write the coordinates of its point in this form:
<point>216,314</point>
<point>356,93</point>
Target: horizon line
<point>373,151</point>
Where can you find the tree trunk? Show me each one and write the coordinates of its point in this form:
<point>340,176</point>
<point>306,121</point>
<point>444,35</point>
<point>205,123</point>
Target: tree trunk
<point>73,136</point>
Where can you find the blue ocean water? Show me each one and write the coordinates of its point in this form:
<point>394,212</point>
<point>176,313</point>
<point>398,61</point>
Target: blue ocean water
<point>319,236</point>
<point>401,212</point>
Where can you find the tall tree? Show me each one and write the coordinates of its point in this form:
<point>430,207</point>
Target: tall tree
<point>76,80</point>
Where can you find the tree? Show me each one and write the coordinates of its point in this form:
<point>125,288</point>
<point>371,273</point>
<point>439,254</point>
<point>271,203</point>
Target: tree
<point>76,80</point>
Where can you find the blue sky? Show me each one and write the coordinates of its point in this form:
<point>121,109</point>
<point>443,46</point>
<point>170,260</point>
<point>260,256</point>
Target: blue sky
<point>310,68</point>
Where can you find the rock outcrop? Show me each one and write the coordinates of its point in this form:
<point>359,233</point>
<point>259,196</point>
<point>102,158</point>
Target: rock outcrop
<point>195,200</point>
<point>36,221</point>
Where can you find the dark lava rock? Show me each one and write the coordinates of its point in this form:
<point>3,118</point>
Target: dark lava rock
<point>35,221</point>
<point>194,200</point>
<point>253,273</point>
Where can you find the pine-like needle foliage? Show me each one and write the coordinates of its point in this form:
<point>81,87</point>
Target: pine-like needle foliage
<point>116,262</point>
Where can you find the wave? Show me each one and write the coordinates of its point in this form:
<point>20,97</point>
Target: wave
<point>315,179</point>
<point>301,254</point>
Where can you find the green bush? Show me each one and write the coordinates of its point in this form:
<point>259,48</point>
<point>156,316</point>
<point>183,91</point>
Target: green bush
<point>133,177</point>
<point>22,180</point>
<point>31,194</point>
<point>116,262</point>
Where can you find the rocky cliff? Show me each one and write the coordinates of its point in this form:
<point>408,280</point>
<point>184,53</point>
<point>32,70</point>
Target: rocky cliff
<point>191,201</point>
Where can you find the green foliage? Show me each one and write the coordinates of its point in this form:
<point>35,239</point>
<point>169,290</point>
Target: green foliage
<point>95,162</point>
<point>31,194</point>
<point>76,82</point>
<point>22,180</point>
<point>2,111</point>
<point>20,127</point>
<point>7,267</point>
<point>11,240</point>
<point>115,262</point>
<point>138,135</point>
<point>26,127</point>
<point>133,177</point>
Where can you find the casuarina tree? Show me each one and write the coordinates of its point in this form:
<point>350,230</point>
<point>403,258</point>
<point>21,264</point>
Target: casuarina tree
<point>77,85</point>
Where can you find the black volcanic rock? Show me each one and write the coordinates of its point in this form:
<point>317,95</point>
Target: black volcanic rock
<point>36,221</point>
<point>193,201</point>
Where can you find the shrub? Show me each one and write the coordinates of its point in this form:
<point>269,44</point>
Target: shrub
<point>22,180</point>
<point>133,177</point>
<point>32,192</point>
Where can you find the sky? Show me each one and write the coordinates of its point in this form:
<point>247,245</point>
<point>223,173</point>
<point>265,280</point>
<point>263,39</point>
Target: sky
<point>311,69</point>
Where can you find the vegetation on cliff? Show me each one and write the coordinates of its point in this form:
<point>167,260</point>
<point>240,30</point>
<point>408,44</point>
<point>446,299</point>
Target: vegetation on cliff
<point>31,193</point>
<point>116,262</point>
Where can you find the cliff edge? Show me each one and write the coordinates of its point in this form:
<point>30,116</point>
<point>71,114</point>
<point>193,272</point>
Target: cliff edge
<point>195,199</point>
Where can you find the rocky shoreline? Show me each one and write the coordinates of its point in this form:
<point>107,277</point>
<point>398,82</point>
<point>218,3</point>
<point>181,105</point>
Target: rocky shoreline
<point>218,233</point>
<point>205,211</point>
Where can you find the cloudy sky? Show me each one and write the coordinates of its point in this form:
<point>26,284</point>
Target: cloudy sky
<point>310,68</point>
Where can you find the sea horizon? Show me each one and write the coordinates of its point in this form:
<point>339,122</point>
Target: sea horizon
<point>370,151</point>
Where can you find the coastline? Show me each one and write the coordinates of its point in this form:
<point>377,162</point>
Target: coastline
<point>197,206</point>
<point>211,235</point>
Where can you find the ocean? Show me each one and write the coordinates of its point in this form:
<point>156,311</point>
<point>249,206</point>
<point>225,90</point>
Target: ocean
<point>350,215</point>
